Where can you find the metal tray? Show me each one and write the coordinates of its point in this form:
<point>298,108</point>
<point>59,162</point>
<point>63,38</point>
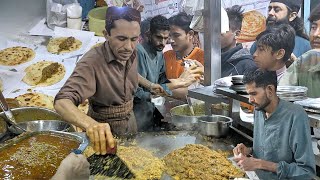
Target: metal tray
<point>164,142</point>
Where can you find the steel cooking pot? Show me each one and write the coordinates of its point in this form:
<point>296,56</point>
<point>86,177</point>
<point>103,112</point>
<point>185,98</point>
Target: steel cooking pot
<point>25,114</point>
<point>181,121</point>
<point>46,125</point>
<point>215,125</point>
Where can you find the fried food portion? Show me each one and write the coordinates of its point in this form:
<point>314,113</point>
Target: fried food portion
<point>142,163</point>
<point>196,161</point>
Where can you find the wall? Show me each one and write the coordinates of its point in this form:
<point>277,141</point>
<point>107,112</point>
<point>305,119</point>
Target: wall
<point>166,8</point>
<point>18,16</point>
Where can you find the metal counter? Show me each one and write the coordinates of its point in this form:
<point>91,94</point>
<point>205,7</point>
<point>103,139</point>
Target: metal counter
<point>162,143</point>
<point>211,95</point>
<point>224,94</point>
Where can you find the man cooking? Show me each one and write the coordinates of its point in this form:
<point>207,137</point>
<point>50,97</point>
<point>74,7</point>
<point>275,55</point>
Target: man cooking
<point>286,12</point>
<point>107,76</point>
<point>282,146</point>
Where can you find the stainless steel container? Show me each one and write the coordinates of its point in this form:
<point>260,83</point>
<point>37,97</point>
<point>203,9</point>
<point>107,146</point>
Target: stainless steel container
<point>25,114</point>
<point>215,125</point>
<point>183,122</point>
<point>46,125</point>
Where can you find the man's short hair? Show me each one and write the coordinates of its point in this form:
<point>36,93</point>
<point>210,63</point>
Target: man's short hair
<point>115,13</point>
<point>181,20</point>
<point>315,14</point>
<point>235,15</point>
<point>278,37</point>
<point>262,78</point>
<point>145,26</point>
<point>159,23</point>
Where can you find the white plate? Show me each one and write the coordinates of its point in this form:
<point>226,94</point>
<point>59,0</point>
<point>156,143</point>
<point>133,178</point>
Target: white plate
<point>158,101</point>
<point>246,117</point>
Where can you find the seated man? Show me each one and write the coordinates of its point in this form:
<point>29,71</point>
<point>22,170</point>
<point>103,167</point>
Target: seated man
<point>275,46</point>
<point>151,66</point>
<point>282,146</point>
<point>235,60</point>
<point>305,71</point>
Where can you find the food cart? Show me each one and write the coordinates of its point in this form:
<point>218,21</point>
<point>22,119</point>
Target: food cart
<point>27,32</point>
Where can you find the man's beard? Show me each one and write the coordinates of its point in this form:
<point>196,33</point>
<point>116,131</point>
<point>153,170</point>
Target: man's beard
<point>263,105</point>
<point>158,48</point>
<point>272,21</point>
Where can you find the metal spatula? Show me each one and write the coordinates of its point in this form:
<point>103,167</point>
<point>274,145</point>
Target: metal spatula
<point>190,105</point>
<point>9,116</point>
<point>109,165</point>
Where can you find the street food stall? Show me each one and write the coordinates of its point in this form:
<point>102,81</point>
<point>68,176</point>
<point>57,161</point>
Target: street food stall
<point>189,144</point>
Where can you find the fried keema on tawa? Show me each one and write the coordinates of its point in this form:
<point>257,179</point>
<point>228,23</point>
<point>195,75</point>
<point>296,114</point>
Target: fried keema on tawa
<point>196,161</point>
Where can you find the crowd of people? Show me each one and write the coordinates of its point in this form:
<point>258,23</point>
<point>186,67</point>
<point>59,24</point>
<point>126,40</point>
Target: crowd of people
<point>120,78</point>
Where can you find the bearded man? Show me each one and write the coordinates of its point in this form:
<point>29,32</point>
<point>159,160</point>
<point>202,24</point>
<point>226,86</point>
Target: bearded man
<point>286,12</point>
<point>282,146</point>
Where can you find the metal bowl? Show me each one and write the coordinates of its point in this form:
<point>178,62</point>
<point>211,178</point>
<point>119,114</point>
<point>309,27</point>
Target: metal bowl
<point>47,125</point>
<point>215,125</point>
<point>184,122</point>
<point>25,114</point>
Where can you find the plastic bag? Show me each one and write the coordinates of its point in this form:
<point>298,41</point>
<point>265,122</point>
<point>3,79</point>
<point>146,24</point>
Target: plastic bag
<point>74,12</point>
<point>57,12</point>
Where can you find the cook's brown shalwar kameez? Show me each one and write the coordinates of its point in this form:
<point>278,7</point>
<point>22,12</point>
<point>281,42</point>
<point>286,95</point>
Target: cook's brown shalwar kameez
<point>108,85</point>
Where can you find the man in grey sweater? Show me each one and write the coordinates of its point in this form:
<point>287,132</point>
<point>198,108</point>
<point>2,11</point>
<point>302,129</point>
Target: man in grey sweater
<point>282,146</point>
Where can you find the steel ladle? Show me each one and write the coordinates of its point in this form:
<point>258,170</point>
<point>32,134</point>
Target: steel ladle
<point>9,116</point>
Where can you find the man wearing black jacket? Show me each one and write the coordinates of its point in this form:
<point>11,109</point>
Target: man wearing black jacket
<point>235,60</point>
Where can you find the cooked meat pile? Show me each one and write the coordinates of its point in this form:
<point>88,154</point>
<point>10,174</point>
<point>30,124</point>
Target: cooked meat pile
<point>199,162</point>
<point>141,162</point>
<point>65,45</point>
<point>191,162</point>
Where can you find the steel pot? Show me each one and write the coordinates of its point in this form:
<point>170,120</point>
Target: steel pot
<point>215,125</point>
<point>47,125</point>
<point>183,122</point>
<point>25,114</point>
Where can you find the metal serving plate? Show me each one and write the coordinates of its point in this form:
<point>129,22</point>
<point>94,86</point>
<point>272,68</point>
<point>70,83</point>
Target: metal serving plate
<point>292,89</point>
<point>80,137</point>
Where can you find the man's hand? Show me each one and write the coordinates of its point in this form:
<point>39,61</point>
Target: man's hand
<point>73,167</point>
<point>157,89</point>
<point>241,149</point>
<point>247,163</point>
<point>101,137</point>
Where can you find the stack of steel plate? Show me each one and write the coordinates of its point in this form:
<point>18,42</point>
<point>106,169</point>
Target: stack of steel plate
<point>237,84</point>
<point>292,93</point>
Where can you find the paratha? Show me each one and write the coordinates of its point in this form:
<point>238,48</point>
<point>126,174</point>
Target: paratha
<point>44,73</point>
<point>63,45</point>
<point>36,100</point>
<point>253,24</point>
<point>16,55</point>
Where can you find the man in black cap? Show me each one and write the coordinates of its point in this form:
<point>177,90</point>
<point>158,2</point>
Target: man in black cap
<point>107,76</point>
<point>286,12</point>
